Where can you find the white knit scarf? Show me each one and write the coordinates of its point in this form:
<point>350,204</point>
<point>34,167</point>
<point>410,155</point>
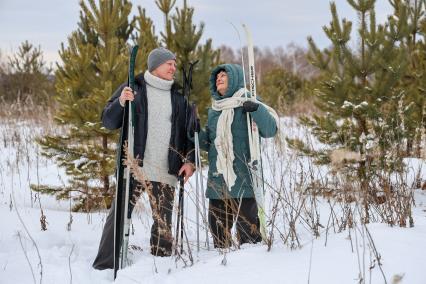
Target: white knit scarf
<point>223,141</point>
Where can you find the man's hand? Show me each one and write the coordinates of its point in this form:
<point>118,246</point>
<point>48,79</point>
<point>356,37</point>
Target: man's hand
<point>126,95</point>
<point>187,170</point>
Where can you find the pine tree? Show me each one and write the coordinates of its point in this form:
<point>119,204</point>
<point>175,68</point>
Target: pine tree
<point>280,88</point>
<point>166,7</point>
<point>94,64</point>
<point>414,82</point>
<point>360,97</point>
<point>146,39</point>
<point>28,75</point>
<point>208,58</point>
<point>183,37</point>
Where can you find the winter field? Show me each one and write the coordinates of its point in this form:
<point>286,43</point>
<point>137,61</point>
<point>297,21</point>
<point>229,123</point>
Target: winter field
<point>311,241</point>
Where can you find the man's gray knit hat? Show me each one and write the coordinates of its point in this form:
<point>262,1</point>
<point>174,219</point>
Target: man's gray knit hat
<point>158,56</point>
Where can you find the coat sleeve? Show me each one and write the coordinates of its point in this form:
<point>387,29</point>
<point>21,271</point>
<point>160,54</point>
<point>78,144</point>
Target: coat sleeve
<point>265,122</point>
<point>204,139</point>
<point>112,115</point>
<point>204,135</point>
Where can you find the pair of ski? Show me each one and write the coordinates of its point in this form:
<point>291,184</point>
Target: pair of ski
<point>122,213</point>
<point>255,162</point>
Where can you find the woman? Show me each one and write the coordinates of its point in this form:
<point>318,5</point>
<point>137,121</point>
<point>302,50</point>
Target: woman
<point>225,138</point>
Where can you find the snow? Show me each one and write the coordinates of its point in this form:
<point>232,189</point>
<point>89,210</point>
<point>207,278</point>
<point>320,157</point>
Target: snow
<point>67,255</point>
<point>347,104</point>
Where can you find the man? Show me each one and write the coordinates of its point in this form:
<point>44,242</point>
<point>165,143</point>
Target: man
<point>161,144</point>
<point>225,138</point>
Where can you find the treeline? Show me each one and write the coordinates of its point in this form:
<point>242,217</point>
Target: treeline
<point>25,76</point>
<point>283,75</point>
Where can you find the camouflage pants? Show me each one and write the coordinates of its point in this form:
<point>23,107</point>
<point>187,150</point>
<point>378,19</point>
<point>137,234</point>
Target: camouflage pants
<point>161,200</point>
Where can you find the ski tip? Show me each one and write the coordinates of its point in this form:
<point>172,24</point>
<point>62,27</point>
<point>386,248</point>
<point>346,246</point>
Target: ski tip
<point>247,32</point>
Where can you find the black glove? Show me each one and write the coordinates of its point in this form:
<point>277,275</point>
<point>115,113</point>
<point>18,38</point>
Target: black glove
<point>194,121</point>
<point>250,106</point>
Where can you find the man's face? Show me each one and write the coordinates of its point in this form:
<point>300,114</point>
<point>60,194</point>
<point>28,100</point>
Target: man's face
<point>222,82</point>
<point>166,70</point>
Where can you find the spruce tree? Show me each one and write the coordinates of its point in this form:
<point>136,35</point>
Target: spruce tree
<point>362,103</point>
<point>94,64</point>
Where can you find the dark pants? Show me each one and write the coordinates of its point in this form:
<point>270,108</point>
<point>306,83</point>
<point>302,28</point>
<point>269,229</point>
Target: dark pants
<point>222,215</point>
<point>161,200</point>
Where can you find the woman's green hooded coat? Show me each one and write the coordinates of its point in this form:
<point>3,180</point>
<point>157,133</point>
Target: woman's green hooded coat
<point>216,186</point>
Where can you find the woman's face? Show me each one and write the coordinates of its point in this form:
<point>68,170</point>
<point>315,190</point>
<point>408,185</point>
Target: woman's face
<point>221,82</point>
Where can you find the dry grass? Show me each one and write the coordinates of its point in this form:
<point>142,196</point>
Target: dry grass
<point>27,111</point>
<point>303,201</point>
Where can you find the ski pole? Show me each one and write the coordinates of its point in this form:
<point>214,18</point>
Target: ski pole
<point>197,192</point>
<point>179,221</point>
<point>199,183</point>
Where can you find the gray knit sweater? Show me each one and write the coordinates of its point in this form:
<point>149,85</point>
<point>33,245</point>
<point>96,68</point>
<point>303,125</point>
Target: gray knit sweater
<point>155,163</point>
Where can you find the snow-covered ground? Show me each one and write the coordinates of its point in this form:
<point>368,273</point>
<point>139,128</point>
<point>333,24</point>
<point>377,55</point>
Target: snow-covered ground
<point>65,251</point>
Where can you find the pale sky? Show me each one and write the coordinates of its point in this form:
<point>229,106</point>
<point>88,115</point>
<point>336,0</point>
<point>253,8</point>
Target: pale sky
<point>273,22</point>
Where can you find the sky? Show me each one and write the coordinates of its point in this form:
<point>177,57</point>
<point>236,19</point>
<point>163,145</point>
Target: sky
<point>274,23</point>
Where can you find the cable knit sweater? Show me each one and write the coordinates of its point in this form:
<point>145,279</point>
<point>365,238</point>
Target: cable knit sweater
<point>155,165</point>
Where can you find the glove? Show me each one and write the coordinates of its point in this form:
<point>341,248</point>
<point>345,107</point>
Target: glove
<point>250,106</point>
<point>194,121</point>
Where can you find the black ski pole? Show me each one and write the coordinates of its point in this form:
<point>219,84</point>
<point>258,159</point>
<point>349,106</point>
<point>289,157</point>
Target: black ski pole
<point>179,222</point>
<point>181,191</point>
<point>187,85</point>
